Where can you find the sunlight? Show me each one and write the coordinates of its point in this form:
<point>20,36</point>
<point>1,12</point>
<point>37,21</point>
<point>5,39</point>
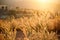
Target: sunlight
<point>47,4</point>
<point>49,1</point>
<point>44,0</point>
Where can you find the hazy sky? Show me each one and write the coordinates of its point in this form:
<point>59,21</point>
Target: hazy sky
<point>35,4</point>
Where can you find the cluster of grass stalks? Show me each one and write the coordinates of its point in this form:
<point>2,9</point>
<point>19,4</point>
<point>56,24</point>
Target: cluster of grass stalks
<point>36,26</point>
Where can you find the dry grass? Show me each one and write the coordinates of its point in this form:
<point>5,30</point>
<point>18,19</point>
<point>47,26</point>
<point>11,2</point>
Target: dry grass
<point>35,27</point>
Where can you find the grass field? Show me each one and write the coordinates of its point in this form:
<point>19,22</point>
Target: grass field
<point>34,24</point>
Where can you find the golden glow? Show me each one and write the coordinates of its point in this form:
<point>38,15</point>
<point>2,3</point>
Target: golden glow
<point>44,0</point>
<point>34,4</point>
<point>49,1</point>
